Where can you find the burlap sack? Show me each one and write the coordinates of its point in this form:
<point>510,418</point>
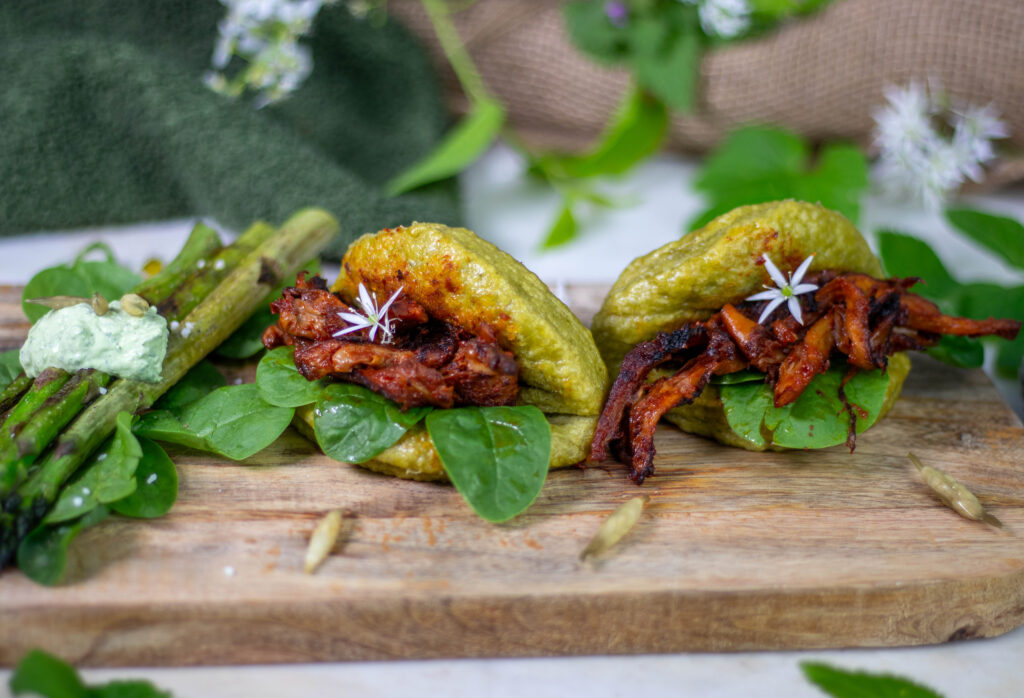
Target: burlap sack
<point>821,76</point>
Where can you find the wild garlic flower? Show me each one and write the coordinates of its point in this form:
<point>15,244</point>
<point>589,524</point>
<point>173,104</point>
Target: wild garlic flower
<point>265,35</point>
<point>376,318</point>
<point>928,147</point>
<point>725,19</point>
<point>786,292</point>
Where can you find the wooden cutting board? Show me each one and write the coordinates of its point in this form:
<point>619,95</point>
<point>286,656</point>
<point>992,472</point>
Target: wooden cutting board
<point>735,551</point>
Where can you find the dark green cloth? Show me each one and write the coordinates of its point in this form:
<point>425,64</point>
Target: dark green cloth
<point>105,119</point>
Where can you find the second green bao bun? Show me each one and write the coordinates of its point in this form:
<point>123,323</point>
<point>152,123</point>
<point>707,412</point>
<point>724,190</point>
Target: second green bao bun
<point>690,279</point>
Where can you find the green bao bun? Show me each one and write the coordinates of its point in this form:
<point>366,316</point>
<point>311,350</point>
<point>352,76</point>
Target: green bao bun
<point>467,281</point>
<point>690,279</point>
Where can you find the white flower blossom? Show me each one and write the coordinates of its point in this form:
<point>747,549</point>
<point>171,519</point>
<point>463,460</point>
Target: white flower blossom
<point>265,35</point>
<point>725,19</point>
<point>927,149</point>
<point>376,318</point>
<point>786,292</point>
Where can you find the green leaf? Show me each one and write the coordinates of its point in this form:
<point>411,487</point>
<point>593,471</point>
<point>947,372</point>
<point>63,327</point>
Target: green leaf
<point>52,281</point>
<point>39,673</point>
<point>981,301</point>
<point>353,424</point>
<point>108,476</point>
<point>235,421</point>
<point>42,674</point>
<point>108,279</point>
<point>1001,235</point>
<point>593,33</point>
<point>841,683</point>
<point>457,150</point>
<point>10,367</point>
<point>751,154</point>
<point>43,553</point>
<point>756,164</point>
<point>157,484</point>
<point>201,379</point>
<point>666,61</point>
<point>738,377</point>
<point>963,352</point>
<point>281,384</point>
<point>563,230</point>
<point>162,425</point>
<point>903,255</point>
<point>247,340</point>
<point>82,278</point>
<point>816,419</point>
<point>497,457</point>
<point>635,132</point>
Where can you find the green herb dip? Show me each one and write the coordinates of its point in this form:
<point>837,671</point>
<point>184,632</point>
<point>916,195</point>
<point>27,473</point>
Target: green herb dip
<point>117,343</point>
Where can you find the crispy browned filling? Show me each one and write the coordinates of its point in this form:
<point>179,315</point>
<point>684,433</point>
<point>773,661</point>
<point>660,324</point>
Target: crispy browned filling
<point>428,361</point>
<point>851,316</point>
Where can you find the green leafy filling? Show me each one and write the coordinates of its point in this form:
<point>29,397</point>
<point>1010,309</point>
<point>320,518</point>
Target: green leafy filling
<point>816,419</point>
<point>497,457</point>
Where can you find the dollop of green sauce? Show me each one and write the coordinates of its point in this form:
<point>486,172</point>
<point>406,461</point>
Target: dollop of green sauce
<point>117,343</point>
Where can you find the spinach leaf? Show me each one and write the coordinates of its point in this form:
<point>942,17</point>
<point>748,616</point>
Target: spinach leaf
<point>39,673</point>
<point>162,425</point>
<point>353,424</point>
<point>201,379</point>
<point>958,351</point>
<point>157,484</point>
<point>280,383</point>
<point>247,340</point>
<point>841,683</point>
<point>457,150</point>
<point>1001,235</point>
<point>107,477</point>
<point>52,281</point>
<point>42,674</point>
<point>82,278</point>
<point>563,230</point>
<point>817,419</point>
<point>497,457</point>
<point>738,377</point>
<point>10,367</point>
<point>233,421</point>
<point>904,255</point>
<point>756,164</point>
<point>43,553</point>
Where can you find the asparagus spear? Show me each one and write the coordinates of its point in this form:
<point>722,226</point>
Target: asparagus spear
<point>10,395</point>
<point>44,386</point>
<point>42,428</point>
<point>299,239</point>
<point>202,243</point>
<point>43,425</point>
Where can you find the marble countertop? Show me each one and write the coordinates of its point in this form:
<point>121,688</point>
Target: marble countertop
<point>504,206</point>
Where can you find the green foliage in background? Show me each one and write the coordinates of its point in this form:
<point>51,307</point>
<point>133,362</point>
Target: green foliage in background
<point>42,674</point>
<point>755,164</point>
<point>904,255</point>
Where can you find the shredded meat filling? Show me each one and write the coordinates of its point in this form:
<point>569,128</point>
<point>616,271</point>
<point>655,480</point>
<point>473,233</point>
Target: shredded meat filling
<point>851,316</point>
<point>427,362</point>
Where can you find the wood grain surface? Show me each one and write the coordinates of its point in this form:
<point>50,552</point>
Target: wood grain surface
<point>736,550</point>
